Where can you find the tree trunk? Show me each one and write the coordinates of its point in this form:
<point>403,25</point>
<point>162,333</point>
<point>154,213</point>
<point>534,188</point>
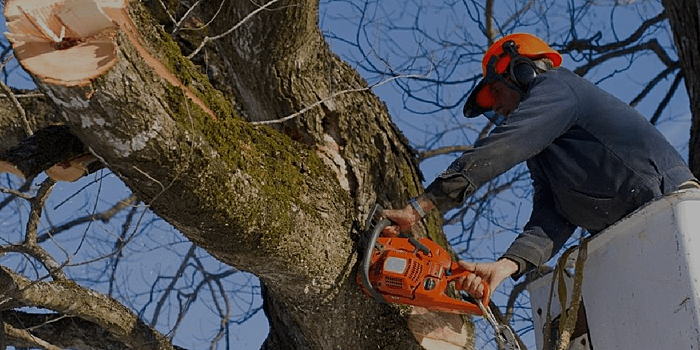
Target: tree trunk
<point>282,203</point>
<point>684,16</point>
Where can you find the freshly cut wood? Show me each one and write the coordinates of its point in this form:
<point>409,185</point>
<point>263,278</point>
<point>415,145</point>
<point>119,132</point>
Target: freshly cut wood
<point>71,170</point>
<point>7,167</point>
<point>63,42</point>
<point>72,42</point>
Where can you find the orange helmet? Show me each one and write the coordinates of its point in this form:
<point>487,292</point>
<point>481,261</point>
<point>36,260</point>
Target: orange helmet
<point>527,45</point>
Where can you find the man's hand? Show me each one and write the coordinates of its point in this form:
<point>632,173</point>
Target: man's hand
<point>493,273</point>
<point>405,218</point>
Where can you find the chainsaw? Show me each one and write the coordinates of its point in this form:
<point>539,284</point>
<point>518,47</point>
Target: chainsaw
<point>409,271</point>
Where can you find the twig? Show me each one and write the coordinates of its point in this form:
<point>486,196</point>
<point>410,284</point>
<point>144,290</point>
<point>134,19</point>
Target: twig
<point>317,103</point>
<point>165,8</point>
<point>443,150</point>
<point>15,193</point>
<point>9,94</point>
<point>186,16</point>
<point>211,20</point>
<point>32,95</point>
<point>250,15</point>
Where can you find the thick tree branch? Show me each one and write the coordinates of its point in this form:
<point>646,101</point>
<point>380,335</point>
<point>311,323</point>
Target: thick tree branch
<point>253,197</point>
<point>109,315</point>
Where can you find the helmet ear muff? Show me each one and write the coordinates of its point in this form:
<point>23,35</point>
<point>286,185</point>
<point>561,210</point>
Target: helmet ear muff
<point>522,71</point>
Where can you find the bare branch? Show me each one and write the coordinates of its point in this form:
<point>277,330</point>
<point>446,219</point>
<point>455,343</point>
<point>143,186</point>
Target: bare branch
<point>165,9</point>
<point>330,98</point>
<point>86,304</point>
<point>104,216</point>
<point>16,193</point>
<point>246,18</point>
<point>24,338</point>
<point>490,32</point>
<point>582,45</point>
<point>667,98</point>
<point>9,94</point>
<point>186,16</point>
<point>651,45</point>
<point>442,151</point>
<point>180,272</point>
<point>647,89</point>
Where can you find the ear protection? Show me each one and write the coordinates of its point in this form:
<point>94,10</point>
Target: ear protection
<point>522,70</point>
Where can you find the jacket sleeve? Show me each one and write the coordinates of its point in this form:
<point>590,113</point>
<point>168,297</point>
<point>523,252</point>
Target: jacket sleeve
<point>545,233</point>
<point>546,112</point>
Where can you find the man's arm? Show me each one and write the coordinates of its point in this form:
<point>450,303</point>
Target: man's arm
<point>546,231</point>
<point>549,110</point>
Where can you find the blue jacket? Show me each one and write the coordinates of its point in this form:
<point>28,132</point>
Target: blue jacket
<point>592,158</point>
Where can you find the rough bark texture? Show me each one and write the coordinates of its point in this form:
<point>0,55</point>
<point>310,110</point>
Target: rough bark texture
<point>84,304</point>
<point>283,202</point>
<point>40,114</point>
<point>684,16</point>
<point>62,331</point>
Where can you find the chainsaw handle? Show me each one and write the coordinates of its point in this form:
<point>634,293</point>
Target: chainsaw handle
<point>416,243</point>
<point>457,272</point>
<point>376,227</point>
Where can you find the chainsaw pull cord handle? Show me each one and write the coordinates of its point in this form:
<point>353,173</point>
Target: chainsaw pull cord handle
<point>377,227</point>
<point>457,272</point>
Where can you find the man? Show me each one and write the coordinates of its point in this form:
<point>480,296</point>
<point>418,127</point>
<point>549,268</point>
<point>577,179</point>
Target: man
<point>592,158</point>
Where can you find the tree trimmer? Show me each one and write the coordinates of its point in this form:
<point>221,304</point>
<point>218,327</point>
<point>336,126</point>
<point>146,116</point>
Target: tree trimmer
<point>409,271</point>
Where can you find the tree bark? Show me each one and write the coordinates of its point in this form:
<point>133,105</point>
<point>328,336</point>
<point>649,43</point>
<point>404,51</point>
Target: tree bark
<point>73,300</point>
<point>282,203</point>
<point>684,16</point>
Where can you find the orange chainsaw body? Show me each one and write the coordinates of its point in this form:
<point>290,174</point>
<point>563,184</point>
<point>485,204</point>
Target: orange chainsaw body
<point>402,273</point>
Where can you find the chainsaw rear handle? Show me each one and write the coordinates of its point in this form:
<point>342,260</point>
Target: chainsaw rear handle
<point>457,272</point>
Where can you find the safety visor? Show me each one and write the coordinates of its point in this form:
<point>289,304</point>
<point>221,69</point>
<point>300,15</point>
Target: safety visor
<point>480,99</point>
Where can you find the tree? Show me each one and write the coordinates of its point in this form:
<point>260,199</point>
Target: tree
<point>250,195</point>
<point>684,17</point>
<point>271,159</point>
